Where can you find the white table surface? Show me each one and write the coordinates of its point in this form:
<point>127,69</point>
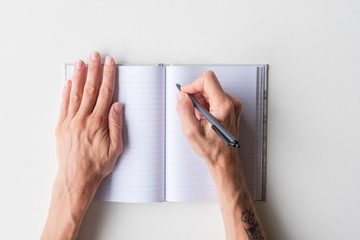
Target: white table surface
<point>312,47</point>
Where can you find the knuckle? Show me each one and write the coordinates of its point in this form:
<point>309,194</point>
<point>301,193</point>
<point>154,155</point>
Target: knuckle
<point>64,106</point>
<point>94,67</point>
<point>115,122</point>
<point>236,102</point>
<point>209,74</point>
<point>90,90</point>
<point>189,132</point>
<point>77,75</point>
<point>75,125</point>
<point>75,98</point>
<point>228,106</point>
<point>95,124</point>
<point>109,72</point>
<point>106,92</point>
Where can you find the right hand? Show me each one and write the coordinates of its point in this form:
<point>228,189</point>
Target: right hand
<point>224,107</point>
<point>223,161</point>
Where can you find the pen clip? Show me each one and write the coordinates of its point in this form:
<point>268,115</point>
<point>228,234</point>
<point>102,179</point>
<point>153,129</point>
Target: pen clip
<point>234,144</point>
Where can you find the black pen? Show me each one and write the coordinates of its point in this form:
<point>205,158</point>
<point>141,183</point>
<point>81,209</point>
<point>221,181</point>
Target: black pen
<point>224,134</point>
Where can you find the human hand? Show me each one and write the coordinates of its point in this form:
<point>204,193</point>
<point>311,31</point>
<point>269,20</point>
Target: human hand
<point>224,107</point>
<point>88,142</point>
<point>223,161</point>
<point>89,131</point>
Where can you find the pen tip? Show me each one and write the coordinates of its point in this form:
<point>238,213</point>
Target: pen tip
<point>178,86</point>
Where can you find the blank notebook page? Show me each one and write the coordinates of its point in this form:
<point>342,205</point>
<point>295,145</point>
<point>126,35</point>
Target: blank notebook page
<point>138,175</point>
<point>187,175</point>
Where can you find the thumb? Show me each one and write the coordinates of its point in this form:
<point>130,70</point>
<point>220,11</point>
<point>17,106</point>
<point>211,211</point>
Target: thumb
<point>186,111</point>
<point>115,128</point>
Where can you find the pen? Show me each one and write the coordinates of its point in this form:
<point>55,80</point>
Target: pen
<point>224,134</point>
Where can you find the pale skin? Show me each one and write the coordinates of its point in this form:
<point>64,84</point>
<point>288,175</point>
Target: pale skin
<point>237,208</point>
<point>89,140</point>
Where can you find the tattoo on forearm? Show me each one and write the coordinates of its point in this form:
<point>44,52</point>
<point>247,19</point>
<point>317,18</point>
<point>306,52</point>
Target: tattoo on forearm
<point>254,231</point>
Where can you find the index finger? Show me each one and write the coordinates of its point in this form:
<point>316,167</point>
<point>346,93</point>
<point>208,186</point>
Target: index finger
<point>209,86</point>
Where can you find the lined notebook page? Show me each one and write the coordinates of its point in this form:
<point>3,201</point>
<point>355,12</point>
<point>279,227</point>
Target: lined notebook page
<point>138,175</point>
<point>187,176</point>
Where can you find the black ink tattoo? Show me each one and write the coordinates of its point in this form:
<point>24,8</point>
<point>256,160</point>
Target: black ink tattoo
<point>248,216</point>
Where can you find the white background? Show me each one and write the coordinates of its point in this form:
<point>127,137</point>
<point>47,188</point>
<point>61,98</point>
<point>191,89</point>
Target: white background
<point>313,50</point>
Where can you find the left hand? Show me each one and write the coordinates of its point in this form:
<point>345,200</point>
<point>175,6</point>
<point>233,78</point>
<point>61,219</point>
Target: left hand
<point>88,142</point>
<point>89,131</point>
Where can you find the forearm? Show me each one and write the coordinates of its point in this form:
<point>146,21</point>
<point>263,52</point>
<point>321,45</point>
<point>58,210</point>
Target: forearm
<point>67,209</point>
<point>237,207</point>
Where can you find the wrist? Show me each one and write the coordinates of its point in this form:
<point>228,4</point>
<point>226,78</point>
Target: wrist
<point>78,182</point>
<point>73,191</point>
<point>76,192</point>
<point>67,208</point>
<point>227,168</point>
<point>231,187</point>
<point>229,180</point>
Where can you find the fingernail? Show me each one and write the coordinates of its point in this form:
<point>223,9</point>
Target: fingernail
<point>108,60</point>
<point>118,107</point>
<point>180,95</point>
<point>78,64</point>
<point>94,55</point>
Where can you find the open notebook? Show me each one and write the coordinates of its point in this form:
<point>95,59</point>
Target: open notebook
<point>157,163</point>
